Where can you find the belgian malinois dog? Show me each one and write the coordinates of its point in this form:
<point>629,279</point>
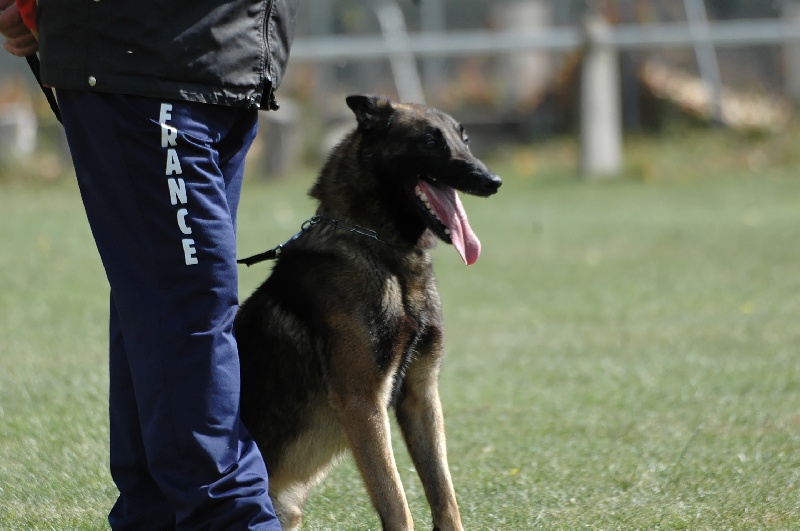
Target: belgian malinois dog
<point>349,322</point>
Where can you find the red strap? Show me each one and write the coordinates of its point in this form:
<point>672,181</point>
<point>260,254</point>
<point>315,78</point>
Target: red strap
<point>27,9</point>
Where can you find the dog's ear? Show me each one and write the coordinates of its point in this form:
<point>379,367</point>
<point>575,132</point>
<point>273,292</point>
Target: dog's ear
<point>372,112</point>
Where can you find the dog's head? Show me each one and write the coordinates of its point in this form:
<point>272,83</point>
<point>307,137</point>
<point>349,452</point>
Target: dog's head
<point>425,152</point>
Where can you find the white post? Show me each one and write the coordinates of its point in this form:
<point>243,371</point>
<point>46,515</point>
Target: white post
<point>601,120</point>
<point>404,67</point>
<point>528,75</point>
<point>706,55</point>
<point>791,53</point>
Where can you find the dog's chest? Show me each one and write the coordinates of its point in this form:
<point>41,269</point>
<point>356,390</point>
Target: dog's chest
<point>409,311</point>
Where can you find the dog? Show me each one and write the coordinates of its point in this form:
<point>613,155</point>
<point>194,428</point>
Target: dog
<point>349,322</point>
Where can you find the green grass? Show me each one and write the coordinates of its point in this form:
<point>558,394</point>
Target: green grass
<point>624,355</point>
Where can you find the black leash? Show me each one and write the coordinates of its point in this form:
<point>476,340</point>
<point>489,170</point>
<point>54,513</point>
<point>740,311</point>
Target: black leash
<point>33,62</point>
<point>273,253</point>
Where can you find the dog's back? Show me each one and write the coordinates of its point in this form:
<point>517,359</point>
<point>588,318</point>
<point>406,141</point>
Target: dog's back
<point>349,322</point>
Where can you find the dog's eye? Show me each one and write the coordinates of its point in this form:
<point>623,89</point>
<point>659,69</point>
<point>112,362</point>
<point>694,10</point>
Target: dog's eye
<point>464,135</point>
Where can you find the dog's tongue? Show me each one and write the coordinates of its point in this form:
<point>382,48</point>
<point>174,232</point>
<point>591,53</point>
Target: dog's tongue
<point>447,205</point>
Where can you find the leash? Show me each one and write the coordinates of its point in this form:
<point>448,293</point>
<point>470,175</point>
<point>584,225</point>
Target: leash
<point>275,252</point>
<point>33,63</point>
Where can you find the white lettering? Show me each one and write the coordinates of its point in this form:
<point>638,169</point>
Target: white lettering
<point>169,135</point>
<point>166,113</point>
<point>177,191</point>
<point>189,251</point>
<point>182,221</point>
<point>173,162</point>
<point>177,187</point>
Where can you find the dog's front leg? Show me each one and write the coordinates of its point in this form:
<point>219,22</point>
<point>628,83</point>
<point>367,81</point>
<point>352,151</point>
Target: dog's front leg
<point>367,428</point>
<point>360,396</point>
<point>419,413</point>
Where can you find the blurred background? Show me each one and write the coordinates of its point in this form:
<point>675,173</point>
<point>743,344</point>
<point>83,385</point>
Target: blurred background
<point>623,355</point>
<point>514,72</point>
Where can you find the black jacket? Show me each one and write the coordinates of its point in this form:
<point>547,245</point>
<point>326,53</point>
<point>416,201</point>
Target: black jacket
<point>230,52</point>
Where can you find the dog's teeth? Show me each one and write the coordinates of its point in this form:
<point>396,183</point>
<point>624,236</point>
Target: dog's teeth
<point>423,197</point>
<point>418,190</point>
<point>447,231</point>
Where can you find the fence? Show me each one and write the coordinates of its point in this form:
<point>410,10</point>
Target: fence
<point>601,145</point>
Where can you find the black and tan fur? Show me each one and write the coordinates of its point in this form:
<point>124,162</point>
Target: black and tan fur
<point>347,327</point>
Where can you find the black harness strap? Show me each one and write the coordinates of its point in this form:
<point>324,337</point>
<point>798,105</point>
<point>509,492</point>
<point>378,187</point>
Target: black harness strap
<point>273,253</point>
<point>33,62</point>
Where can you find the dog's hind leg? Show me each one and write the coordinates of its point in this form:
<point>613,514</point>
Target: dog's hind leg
<point>305,462</point>
<point>289,497</point>
<point>419,413</point>
<point>288,504</point>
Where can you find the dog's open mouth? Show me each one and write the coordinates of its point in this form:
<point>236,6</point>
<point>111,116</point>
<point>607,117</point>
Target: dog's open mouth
<point>444,206</point>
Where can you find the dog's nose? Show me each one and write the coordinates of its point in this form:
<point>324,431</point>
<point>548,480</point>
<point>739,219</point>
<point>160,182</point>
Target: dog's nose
<point>491,184</point>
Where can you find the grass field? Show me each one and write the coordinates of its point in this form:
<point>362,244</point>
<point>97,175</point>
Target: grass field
<point>624,355</point>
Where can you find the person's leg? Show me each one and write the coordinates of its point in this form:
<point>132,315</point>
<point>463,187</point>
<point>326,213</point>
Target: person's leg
<point>141,504</point>
<point>162,210</point>
<point>231,163</point>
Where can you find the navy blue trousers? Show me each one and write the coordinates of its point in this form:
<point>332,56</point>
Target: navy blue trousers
<point>160,181</point>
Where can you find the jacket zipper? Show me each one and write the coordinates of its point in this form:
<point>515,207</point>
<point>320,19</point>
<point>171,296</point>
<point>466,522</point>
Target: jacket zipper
<point>271,102</point>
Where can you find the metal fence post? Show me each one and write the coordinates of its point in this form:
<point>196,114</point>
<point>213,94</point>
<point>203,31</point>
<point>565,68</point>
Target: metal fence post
<point>601,120</point>
<point>706,55</point>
